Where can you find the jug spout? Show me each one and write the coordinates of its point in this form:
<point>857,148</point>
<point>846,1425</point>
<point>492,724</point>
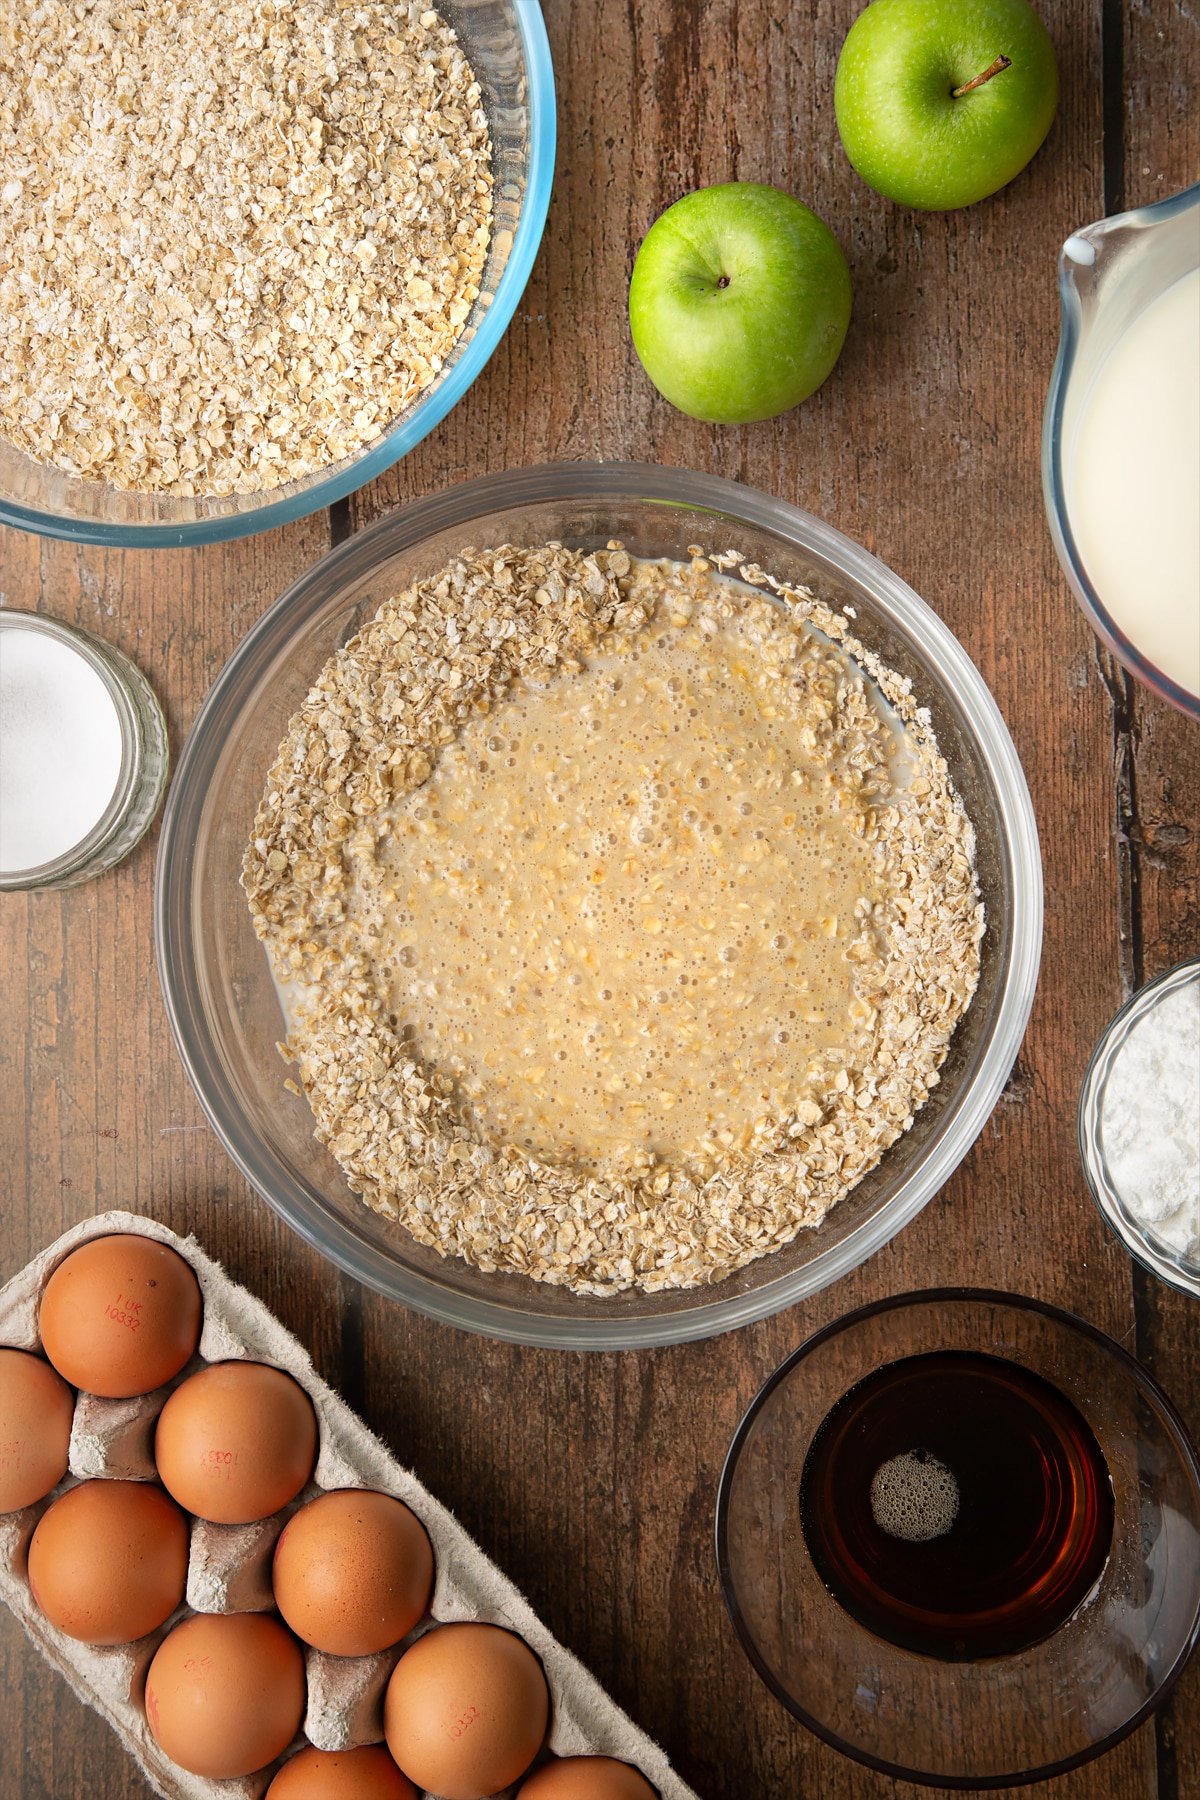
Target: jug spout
<point>1121,428</point>
<point>1123,262</point>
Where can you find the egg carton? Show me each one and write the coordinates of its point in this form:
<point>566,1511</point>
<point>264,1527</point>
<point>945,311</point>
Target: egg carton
<point>229,1566</point>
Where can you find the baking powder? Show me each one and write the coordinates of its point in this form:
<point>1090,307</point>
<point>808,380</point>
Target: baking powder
<point>1150,1121</point>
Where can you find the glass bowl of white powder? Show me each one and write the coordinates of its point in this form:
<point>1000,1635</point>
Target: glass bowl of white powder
<point>1139,1126</point>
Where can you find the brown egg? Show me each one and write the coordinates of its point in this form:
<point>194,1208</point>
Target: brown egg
<point>353,1572</point>
<point>36,1410</point>
<point>466,1710</point>
<point>108,1561</point>
<point>366,1774</point>
<point>225,1693</point>
<point>587,1778</point>
<point>236,1441</point>
<point>120,1315</point>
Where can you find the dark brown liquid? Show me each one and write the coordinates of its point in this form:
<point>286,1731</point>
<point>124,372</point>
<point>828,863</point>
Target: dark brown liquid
<point>957,1505</point>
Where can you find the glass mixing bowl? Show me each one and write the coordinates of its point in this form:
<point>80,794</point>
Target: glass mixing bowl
<point>219,993</point>
<point>509,51</point>
<point>999,1721</point>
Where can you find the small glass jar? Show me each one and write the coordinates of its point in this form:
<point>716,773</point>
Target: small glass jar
<point>1169,1264</point>
<point>144,761</point>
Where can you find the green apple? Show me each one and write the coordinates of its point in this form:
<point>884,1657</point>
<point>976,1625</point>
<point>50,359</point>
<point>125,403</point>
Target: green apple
<point>739,303</point>
<point>941,102</point>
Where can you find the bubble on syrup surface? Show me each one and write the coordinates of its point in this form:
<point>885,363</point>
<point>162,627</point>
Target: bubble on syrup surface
<point>914,1497</point>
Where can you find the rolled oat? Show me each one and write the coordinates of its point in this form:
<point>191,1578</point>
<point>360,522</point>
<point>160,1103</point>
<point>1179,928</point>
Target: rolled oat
<point>236,240</point>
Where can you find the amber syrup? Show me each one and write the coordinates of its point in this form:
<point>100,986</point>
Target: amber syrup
<point>958,1505</point>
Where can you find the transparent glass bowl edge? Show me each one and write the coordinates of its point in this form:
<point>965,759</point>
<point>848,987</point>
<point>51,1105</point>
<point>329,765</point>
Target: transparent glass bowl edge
<point>422,418</point>
<point>1130,1233</point>
<point>453,509</point>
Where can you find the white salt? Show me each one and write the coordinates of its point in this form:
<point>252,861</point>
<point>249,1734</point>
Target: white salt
<point>1150,1121</point>
<point>60,747</point>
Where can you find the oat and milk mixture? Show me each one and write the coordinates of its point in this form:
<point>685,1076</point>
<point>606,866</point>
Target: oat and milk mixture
<point>624,922</point>
<point>618,962</point>
<point>236,239</point>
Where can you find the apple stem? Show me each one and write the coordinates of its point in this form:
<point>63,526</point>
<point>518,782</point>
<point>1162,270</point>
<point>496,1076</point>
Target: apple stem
<point>998,67</point>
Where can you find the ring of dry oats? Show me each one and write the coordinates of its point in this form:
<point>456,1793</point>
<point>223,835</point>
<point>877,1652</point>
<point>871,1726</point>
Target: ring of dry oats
<point>371,729</point>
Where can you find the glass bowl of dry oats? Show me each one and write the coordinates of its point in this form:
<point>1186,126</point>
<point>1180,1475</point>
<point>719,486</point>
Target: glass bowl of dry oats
<point>265,258</point>
<point>641,884</point>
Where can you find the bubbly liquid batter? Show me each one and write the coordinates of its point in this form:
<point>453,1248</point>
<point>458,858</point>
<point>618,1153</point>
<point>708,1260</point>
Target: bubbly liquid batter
<point>625,910</point>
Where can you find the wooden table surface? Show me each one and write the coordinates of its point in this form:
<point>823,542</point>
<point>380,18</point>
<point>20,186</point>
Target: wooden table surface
<point>591,1479</point>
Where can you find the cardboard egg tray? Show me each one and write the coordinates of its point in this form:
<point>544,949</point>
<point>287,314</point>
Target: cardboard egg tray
<point>229,1567</point>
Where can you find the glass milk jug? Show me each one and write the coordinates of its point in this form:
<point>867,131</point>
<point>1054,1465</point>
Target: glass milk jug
<point>1121,441</point>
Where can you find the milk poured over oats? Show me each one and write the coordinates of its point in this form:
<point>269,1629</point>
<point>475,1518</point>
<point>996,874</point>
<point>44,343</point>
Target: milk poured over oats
<point>620,910</point>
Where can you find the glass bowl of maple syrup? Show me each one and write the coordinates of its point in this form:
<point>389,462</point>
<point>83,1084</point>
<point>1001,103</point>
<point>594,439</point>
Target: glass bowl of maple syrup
<point>958,1534</point>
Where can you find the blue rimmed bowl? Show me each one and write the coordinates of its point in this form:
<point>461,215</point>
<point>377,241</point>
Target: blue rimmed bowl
<point>509,51</point>
<point>1108,274</point>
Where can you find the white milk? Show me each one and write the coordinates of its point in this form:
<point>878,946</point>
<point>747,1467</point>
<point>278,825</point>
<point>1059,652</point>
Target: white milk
<point>1133,482</point>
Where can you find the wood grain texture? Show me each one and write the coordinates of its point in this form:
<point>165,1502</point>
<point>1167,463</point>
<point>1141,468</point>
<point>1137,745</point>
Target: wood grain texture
<point>592,1479</point>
